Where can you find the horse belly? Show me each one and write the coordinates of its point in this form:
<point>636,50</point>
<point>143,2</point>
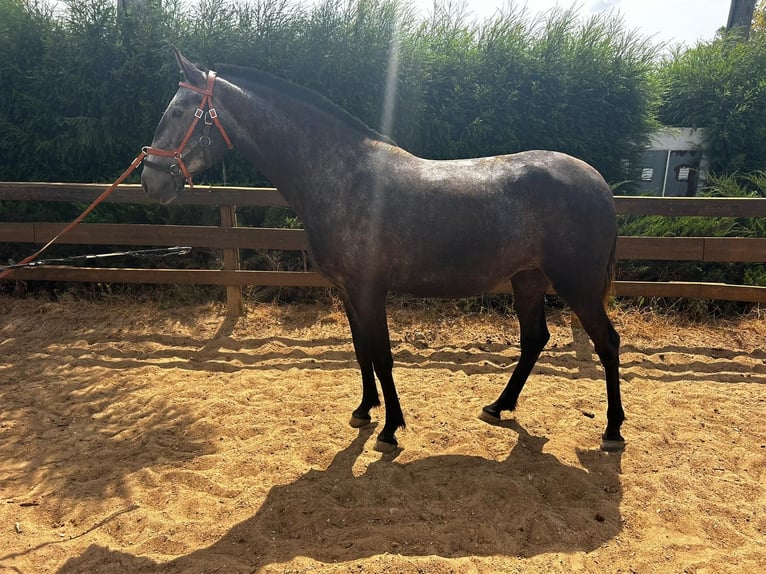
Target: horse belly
<point>459,278</point>
<point>447,289</point>
<point>469,252</point>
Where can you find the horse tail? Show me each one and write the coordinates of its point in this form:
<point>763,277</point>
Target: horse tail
<point>611,271</point>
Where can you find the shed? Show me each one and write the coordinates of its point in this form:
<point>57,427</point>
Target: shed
<point>673,163</point>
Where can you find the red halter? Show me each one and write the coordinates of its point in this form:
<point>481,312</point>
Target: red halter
<point>207,102</point>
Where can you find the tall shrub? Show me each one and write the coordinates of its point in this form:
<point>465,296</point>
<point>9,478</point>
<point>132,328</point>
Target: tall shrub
<point>719,85</point>
<point>544,82</point>
<point>26,32</point>
<point>584,88</point>
<point>86,88</point>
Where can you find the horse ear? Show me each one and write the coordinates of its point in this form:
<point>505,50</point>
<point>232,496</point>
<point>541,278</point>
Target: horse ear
<point>191,72</point>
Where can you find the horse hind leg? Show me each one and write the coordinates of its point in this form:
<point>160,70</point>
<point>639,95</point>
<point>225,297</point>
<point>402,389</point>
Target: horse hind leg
<point>590,310</point>
<point>529,303</point>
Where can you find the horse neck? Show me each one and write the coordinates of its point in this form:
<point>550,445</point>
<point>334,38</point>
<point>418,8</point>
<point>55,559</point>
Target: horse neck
<point>301,150</point>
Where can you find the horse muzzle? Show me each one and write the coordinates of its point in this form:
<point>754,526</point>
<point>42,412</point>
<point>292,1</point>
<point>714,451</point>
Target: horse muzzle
<point>162,185</point>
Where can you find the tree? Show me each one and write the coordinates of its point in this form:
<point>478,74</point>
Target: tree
<point>719,86</point>
<point>741,15</point>
<point>759,18</point>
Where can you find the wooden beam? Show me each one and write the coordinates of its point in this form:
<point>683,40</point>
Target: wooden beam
<point>132,193</point>
<point>661,248</point>
<point>735,249</point>
<point>709,249</point>
<point>234,305</point>
<point>269,196</point>
<point>169,276</point>
<point>718,291</point>
<point>678,289</point>
<point>142,234</point>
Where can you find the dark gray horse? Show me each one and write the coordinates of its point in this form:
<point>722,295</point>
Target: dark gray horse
<point>379,218</point>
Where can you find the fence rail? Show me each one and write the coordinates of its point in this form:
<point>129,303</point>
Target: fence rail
<point>230,238</point>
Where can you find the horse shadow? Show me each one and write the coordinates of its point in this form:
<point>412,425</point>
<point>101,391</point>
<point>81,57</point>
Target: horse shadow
<point>450,506</point>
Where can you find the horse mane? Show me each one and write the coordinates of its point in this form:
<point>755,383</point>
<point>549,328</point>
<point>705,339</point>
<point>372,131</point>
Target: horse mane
<point>250,78</point>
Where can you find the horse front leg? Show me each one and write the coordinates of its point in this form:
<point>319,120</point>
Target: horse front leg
<point>384,363</point>
<point>370,399</point>
<point>369,329</point>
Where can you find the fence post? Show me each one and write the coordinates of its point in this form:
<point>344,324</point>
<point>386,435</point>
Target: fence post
<point>231,263</point>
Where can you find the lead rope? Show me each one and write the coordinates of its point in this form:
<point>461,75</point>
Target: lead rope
<point>107,192</point>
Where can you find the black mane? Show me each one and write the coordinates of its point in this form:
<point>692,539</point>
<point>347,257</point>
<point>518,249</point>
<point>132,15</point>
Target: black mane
<point>247,77</point>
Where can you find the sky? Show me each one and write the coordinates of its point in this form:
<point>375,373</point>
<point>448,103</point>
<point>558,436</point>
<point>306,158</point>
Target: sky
<point>665,21</point>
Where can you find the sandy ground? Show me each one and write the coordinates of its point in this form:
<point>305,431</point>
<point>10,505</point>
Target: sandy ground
<point>136,438</point>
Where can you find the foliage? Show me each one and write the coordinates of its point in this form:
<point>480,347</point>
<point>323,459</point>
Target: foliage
<point>759,18</point>
<point>79,90</point>
<point>551,84</point>
<point>720,86</point>
<point>84,87</point>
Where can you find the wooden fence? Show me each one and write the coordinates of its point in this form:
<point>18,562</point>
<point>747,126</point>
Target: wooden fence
<point>230,238</point>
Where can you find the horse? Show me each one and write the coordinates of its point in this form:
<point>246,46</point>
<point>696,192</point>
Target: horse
<point>381,219</point>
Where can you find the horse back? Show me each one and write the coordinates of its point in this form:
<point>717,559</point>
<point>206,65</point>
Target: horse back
<point>462,227</point>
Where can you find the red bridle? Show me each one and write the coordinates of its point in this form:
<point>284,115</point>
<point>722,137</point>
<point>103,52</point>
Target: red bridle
<point>211,118</point>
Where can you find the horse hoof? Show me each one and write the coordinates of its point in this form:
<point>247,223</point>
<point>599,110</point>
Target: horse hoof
<point>610,445</point>
<point>358,422</point>
<point>385,447</point>
<point>489,418</point>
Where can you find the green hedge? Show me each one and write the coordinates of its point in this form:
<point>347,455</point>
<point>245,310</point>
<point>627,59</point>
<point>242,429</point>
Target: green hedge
<point>84,89</point>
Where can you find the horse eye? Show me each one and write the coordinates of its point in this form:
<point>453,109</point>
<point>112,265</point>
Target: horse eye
<point>177,113</point>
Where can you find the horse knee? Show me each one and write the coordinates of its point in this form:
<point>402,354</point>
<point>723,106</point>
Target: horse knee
<point>384,365</point>
<point>534,343</point>
<point>614,337</point>
<point>608,348</point>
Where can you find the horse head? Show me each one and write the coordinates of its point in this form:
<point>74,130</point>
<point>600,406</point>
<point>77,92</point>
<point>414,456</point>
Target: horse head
<point>184,143</point>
